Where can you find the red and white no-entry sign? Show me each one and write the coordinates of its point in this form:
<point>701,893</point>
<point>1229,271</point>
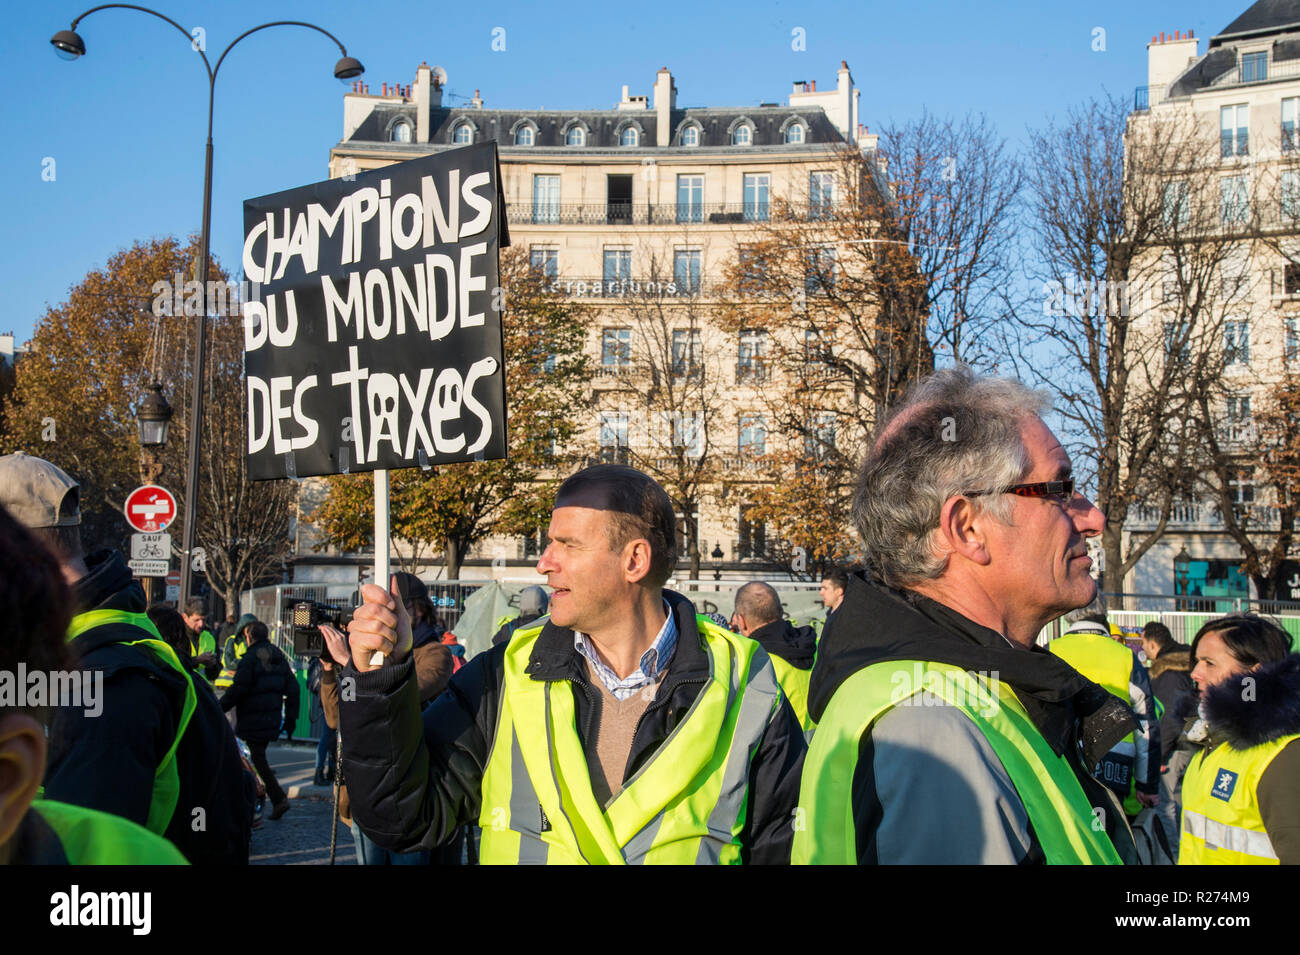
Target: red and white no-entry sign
<point>150,509</point>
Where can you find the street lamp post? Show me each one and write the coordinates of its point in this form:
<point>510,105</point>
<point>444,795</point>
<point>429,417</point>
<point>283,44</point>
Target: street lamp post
<point>154,419</point>
<point>69,45</point>
<point>717,556</point>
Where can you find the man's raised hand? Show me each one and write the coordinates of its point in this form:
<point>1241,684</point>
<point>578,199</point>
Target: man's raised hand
<point>379,624</point>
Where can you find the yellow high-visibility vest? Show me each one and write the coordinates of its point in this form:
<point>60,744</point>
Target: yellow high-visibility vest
<point>91,837</point>
<point>166,783</point>
<point>1058,810</point>
<point>1222,824</point>
<point>686,805</point>
<point>794,683</point>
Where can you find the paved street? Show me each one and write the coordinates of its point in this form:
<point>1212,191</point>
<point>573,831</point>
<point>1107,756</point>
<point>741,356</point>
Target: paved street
<point>302,835</point>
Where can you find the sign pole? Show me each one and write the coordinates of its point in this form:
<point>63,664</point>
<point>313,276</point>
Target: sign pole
<point>381,540</point>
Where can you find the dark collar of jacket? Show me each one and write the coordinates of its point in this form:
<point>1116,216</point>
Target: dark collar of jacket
<point>796,647</point>
<point>427,631</point>
<point>36,843</point>
<point>554,656</point>
<point>876,624</point>
<point>108,585</point>
<point>1257,706</point>
<point>1178,659</point>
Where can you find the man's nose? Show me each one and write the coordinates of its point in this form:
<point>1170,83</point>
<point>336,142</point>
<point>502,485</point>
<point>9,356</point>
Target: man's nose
<point>544,563</point>
<point>1088,518</point>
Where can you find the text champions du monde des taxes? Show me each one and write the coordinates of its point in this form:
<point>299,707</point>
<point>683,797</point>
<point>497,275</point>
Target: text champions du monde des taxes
<point>374,339</point>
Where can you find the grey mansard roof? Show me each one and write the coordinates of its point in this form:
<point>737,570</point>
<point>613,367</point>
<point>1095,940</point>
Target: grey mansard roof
<point>603,127</point>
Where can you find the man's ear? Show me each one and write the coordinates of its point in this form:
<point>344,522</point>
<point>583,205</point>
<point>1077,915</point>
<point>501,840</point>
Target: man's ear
<point>636,560</point>
<point>22,766</point>
<point>961,531</point>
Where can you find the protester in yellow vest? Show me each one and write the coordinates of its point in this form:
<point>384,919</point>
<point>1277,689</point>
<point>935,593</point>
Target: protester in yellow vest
<point>37,607</point>
<point>623,728</point>
<point>1132,769</point>
<point>140,740</point>
<point>203,645</point>
<point>758,615</point>
<point>943,735</point>
<point>232,652</point>
<point>1241,793</point>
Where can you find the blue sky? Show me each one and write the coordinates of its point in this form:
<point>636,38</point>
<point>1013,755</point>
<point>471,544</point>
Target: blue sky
<point>125,124</point>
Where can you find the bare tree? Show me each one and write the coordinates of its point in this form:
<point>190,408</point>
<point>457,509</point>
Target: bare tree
<point>953,191</point>
<point>1138,246</point>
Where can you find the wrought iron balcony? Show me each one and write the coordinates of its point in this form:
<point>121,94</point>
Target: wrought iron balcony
<point>666,213</point>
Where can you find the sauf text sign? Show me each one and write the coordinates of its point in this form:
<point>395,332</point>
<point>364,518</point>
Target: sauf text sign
<point>375,338</point>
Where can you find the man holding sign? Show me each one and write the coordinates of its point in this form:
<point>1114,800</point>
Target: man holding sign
<point>623,728</point>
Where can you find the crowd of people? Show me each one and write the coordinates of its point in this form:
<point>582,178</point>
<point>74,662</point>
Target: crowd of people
<point>610,722</point>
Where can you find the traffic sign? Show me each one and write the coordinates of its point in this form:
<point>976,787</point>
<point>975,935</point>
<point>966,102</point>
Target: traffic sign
<point>149,568</point>
<point>173,586</point>
<point>149,509</point>
<point>151,546</point>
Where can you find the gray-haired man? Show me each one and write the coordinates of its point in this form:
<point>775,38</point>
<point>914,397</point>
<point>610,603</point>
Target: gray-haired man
<point>944,734</point>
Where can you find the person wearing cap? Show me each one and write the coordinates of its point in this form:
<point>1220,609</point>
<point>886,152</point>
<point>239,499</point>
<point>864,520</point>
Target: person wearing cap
<point>532,605</point>
<point>232,651</point>
<point>158,752</point>
<point>624,728</point>
<point>203,645</point>
<point>35,831</point>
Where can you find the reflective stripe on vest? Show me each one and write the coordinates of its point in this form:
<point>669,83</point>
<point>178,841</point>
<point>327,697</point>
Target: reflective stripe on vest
<point>685,805</point>
<point>1057,807</point>
<point>166,782</point>
<point>90,837</point>
<point>227,674</point>
<point>794,683</point>
<point>1222,823</point>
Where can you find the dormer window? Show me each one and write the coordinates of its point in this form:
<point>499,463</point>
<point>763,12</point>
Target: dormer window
<point>576,136</point>
<point>742,135</point>
<point>629,137</point>
<point>400,132</point>
<point>794,134</point>
<point>691,136</point>
<point>524,136</point>
<point>464,135</point>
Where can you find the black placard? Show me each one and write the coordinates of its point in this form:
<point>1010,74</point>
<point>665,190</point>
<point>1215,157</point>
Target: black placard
<point>372,335</point>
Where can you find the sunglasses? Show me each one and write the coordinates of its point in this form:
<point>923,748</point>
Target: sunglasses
<point>1062,492</point>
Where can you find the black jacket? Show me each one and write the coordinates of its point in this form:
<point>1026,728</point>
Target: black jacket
<point>1171,680</point>
<point>107,762</point>
<point>263,682</point>
<point>414,780</point>
<point>1077,718</point>
<point>795,645</point>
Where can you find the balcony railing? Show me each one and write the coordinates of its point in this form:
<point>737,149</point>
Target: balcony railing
<point>1144,97</point>
<point>752,371</point>
<point>667,213</point>
<point>1272,71</point>
<point>1199,515</point>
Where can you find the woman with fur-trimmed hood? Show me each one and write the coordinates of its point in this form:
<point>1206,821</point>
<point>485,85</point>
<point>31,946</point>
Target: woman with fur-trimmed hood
<point>1241,794</point>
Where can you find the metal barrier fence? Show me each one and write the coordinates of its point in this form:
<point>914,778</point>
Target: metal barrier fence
<point>1182,625</point>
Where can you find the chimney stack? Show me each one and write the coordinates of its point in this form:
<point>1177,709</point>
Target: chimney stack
<point>665,103</point>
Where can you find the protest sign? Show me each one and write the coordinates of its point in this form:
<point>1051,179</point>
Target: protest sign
<point>373,340</point>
